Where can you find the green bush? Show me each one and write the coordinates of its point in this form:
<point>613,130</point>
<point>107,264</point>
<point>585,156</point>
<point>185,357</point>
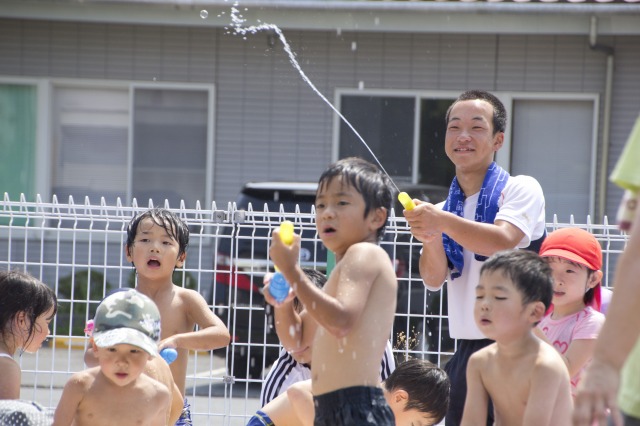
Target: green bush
<point>74,312</point>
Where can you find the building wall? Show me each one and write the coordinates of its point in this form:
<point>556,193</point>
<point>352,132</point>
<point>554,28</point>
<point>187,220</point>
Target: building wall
<point>269,124</point>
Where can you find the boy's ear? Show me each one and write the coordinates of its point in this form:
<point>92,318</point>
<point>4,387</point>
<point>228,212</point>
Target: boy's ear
<point>379,217</point>
<point>400,396</point>
<point>127,253</point>
<point>181,259</point>
<point>537,312</point>
<point>93,345</point>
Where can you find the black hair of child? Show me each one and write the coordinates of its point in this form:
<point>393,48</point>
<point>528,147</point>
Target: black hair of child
<point>164,218</point>
<point>528,271</point>
<point>21,292</point>
<point>427,385</point>
<point>374,185</point>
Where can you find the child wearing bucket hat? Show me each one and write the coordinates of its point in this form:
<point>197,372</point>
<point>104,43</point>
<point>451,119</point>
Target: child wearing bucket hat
<point>574,321</point>
<point>125,337</point>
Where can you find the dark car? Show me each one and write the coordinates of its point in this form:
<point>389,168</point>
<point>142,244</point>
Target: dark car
<point>243,260</point>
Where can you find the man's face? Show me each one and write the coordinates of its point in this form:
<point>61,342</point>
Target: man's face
<point>469,142</point>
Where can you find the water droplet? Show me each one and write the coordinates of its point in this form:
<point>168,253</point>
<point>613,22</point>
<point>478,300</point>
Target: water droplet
<point>376,21</point>
<point>354,46</point>
<point>353,355</point>
<point>370,418</point>
<point>204,14</point>
<point>313,305</point>
<point>340,349</point>
<point>155,79</point>
<point>360,85</point>
<point>338,31</point>
<point>292,331</point>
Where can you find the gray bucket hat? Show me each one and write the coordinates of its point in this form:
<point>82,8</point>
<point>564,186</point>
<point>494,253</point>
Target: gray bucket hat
<point>127,317</point>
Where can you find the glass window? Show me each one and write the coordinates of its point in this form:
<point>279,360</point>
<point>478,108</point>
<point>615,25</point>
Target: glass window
<point>90,144</point>
<point>170,146</point>
<point>18,106</point>
<point>147,143</point>
<point>387,124</point>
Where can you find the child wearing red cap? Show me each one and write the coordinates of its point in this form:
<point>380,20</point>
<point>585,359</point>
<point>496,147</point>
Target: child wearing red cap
<point>574,321</point>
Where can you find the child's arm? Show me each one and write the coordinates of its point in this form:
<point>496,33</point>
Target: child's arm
<point>162,401</point>
<point>72,394</point>
<point>11,379</point>
<point>212,333</point>
<point>358,269</point>
<point>477,400</point>
<point>546,383</point>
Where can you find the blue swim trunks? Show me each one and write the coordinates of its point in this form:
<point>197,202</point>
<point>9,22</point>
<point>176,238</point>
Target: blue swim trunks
<point>185,417</point>
<point>356,405</point>
<point>260,419</point>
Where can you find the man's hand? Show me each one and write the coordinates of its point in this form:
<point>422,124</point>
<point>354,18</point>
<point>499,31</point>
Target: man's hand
<point>423,221</point>
<point>596,397</point>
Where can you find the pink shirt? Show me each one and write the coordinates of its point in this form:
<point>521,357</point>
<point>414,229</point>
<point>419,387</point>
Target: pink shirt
<point>585,324</point>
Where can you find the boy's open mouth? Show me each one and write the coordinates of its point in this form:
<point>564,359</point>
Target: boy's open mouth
<point>329,230</point>
<point>153,262</point>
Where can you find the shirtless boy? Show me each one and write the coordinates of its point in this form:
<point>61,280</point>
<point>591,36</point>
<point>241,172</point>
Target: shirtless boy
<point>355,308</point>
<point>525,378</point>
<point>125,338</point>
<point>156,244</point>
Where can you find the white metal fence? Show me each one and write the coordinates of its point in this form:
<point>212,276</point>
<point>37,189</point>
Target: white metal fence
<point>77,249</point>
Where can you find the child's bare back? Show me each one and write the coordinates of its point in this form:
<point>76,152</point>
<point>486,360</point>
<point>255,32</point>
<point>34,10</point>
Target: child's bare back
<point>530,389</point>
<point>364,276</point>
<point>100,402</point>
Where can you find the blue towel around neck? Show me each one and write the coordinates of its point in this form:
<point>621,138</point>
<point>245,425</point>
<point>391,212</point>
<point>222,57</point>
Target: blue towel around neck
<point>494,182</point>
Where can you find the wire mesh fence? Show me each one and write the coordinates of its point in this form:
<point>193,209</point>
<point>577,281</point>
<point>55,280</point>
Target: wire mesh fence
<point>78,249</point>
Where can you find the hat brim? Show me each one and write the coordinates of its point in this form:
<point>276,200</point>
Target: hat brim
<point>127,336</point>
<point>568,255</point>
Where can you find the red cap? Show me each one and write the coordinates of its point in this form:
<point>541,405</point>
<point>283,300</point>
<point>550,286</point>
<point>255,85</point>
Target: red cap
<point>576,245</point>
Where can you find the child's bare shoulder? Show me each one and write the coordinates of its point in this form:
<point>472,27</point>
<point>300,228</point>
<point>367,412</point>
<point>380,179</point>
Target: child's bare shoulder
<point>484,356</point>
<point>83,380</point>
<point>365,252</point>
<point>549,359</point>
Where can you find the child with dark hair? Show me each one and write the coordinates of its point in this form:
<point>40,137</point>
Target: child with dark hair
<point>525,378</point>
<point>157,244</point>
<point>294,362</point>
<point>355,309</point>
<point>27,306</point>
<point>417,393</point>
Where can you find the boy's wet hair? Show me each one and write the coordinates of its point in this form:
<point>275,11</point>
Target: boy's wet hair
<point>499,111</point>
<point>528,271</point>
<point>21,292</point>
<point>167,220</point>
<point>374,185</point>
<point>426,384</point>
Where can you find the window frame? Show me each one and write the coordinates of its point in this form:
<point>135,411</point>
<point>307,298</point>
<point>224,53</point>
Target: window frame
<point>508,98</point>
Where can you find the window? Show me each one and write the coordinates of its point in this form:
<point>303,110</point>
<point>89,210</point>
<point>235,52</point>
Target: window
<point>18,117</point>
<point>388,125</point>
<point>132,142</point>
